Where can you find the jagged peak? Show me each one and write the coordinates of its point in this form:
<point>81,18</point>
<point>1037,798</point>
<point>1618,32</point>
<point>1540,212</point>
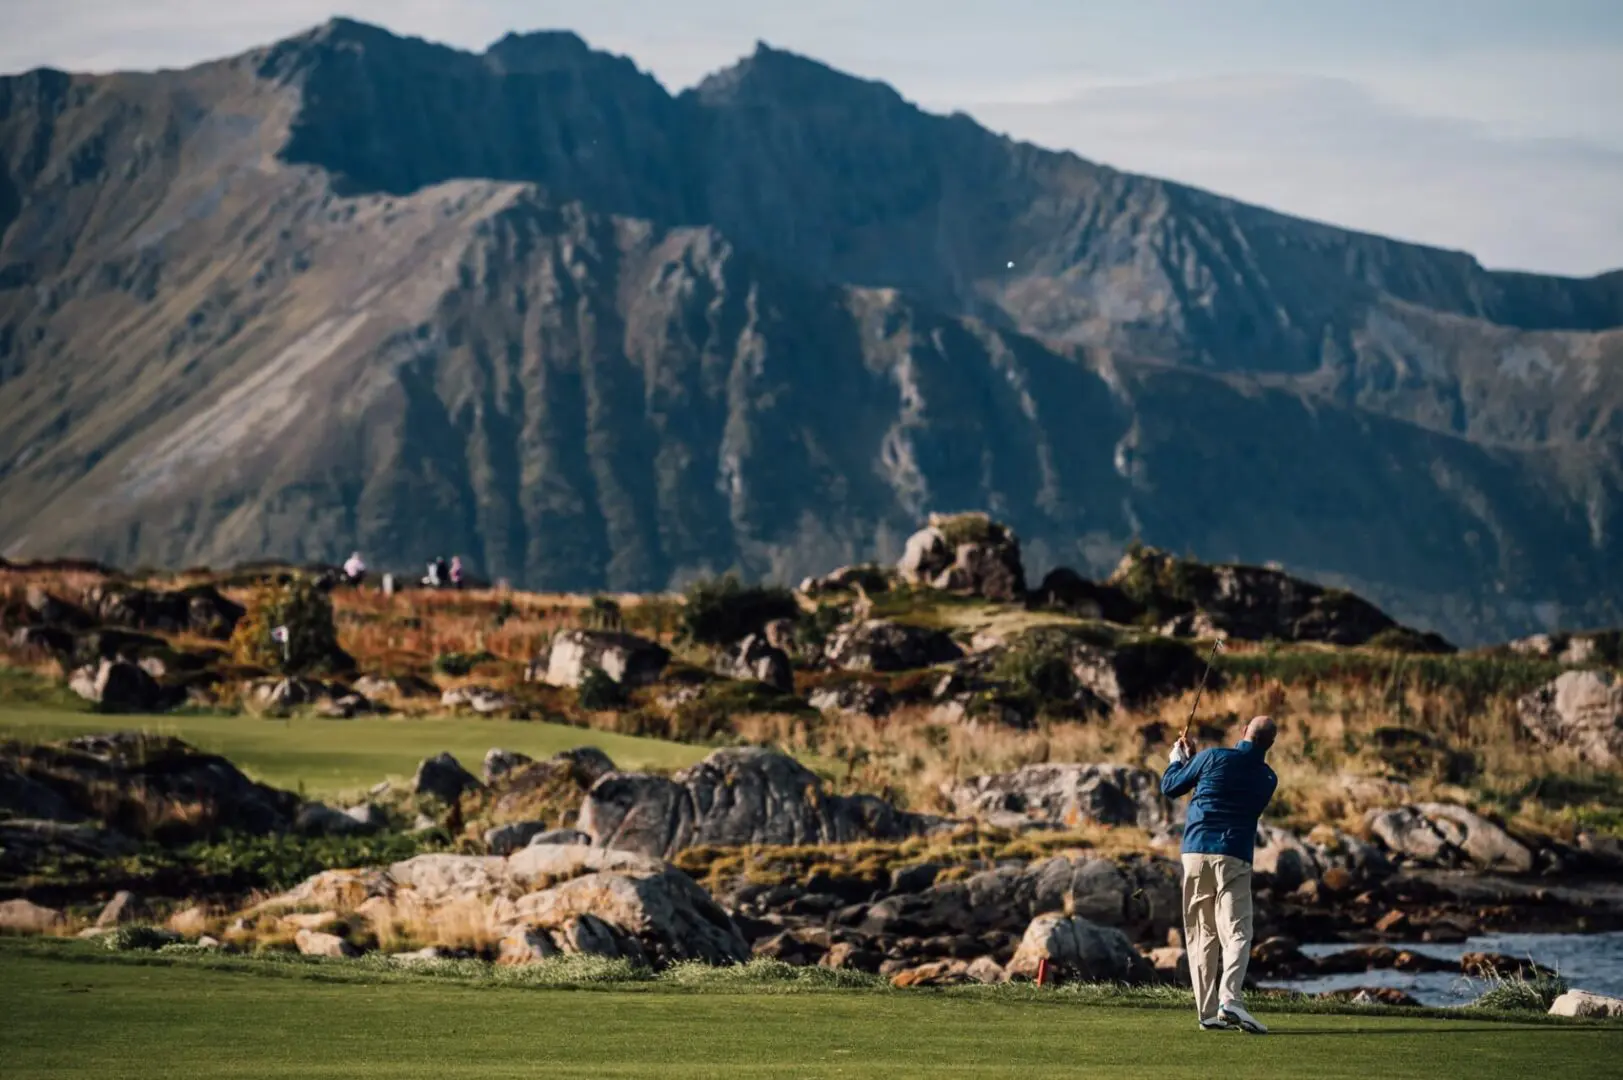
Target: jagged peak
<point>540,51</point>
<point>516,49</point>
<point>778,74</point>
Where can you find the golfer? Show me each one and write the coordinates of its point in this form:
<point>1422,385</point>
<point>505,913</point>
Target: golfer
<point>1232,786</point>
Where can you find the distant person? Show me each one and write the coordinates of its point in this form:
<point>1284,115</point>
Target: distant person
<point>1232,787</point>
<point>456,571</point>
<point>435,578</point>
<point>354,569</point>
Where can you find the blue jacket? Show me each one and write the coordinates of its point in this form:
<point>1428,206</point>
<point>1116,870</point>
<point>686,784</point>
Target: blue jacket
<point>1232,788</point>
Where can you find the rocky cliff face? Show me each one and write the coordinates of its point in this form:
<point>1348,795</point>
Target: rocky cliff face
<point>354,290</point>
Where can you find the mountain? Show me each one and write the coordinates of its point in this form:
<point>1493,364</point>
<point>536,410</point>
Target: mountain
<point>355,290</point>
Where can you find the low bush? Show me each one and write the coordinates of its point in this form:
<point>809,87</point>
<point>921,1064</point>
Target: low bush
<point>305,613</point>
<point>459,664</point>
<point>1523,995</point>
<point>720,611</point>
<point>600,693</point>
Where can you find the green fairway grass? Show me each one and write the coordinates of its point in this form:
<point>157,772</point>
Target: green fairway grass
<point>68,1016</point>
<point>332,756</point>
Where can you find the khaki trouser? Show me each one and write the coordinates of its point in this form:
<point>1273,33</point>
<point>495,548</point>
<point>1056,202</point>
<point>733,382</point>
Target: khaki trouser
<point>1217,927</point>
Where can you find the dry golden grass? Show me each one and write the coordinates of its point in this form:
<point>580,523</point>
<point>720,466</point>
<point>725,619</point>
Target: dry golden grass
<point>960,852</point>
<point>1328,755</point>
<point>1464,743</point>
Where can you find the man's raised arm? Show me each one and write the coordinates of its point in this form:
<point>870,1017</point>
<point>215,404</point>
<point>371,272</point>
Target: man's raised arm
<point>1182,770</point>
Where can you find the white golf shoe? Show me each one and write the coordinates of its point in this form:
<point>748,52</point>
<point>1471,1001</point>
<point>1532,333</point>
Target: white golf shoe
<point>1215,1023</point>
<point>1235,1014</point>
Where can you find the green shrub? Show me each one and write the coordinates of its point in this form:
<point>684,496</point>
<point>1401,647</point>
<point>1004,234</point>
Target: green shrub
<point>459,664</point>
<point>1037,668</point>
<point>600,693</point>
<point>1523,995</point>
<point>280,861</point>
<point>720,611</point>
<point>973,527</point>
<point>1163,584</point>
<point>133,938</point>
<point>306,612</point>
<point>1403,639</point>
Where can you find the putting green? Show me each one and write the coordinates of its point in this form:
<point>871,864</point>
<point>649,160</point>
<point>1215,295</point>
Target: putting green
<point>76,1018</point>
<point>332,756</point>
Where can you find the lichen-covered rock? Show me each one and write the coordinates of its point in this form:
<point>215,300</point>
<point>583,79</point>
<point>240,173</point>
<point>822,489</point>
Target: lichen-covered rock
<point>26,917</point>
<point>850,696</point>
<point>965,553</point>
<point>878,645</point>
<point>499,762</point>
<point>478,699</point>
<point>1443,834</point>
<point>1254,603</point>
<point>120,776</point>
<point>51,610</point>
<point>1079,950</point>
<point>119,687</point>
<point>735,797</point>
<point>346,707</point>
<point>506,839</point>
<point>291,692</point>
<point>1140,895</point>
<point>200,610</point>
<point>1067,795</point>
<point>1579,710</point>
<point>626,658</point>
<point>754,658</point>
<point>443,777</point>
<point>1584,1003</point>
<point>544,899</point>
<point>319,819</point>
<point>586,763</point>
<point>315,943</point>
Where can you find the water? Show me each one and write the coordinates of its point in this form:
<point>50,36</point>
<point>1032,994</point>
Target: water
<point>1591,962</point>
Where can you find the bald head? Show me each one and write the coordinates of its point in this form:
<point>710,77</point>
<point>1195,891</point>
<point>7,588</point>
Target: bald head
<point>1261,731</point>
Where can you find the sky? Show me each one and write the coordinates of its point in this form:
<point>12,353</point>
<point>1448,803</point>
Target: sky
<point>1490,126</point>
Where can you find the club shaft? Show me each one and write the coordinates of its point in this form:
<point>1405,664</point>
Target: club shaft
<point>1216,644</point>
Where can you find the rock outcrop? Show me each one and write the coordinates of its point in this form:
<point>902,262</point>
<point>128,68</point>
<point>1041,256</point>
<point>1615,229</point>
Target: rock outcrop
<point>626,658</point>
<point>27,917</point>
<point>1252,603</point>
<point>481,700</point>
<point>546,898</point>
<point>1443,834</point>
<point>201,610</point>
<point>290,692</point>
<point>965,553</point>
<point>1580,710</point>
<point>1079,950</point>
<point>443,777</point>
<point>755,658</point>
<point>879,645</point>
<point>499,763</point>
<point>850,695</point>
<point>1583,1003</point>
<point>1141,896</point>
<point>128,781</point>
<point>1067,795</point>
<point>736,797</point>
<point>120,687</point>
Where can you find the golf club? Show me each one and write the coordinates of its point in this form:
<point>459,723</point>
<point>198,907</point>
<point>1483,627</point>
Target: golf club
<point>1217,645</point>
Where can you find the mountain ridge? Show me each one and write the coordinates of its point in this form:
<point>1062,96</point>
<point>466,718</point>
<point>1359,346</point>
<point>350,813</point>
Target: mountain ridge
<point>350,289</point>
